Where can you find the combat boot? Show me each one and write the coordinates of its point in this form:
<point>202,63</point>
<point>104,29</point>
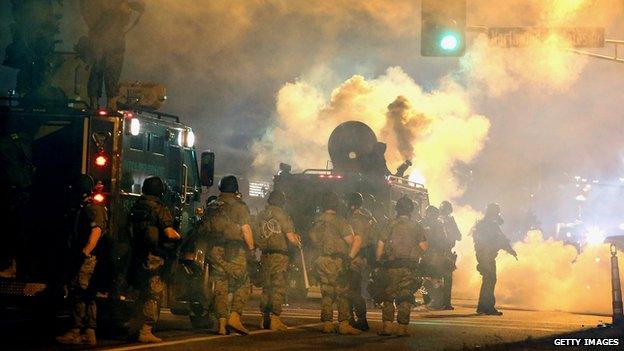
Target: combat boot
<point>234,322</point>
<point>386,329</point>
<point>362,324</point>
<point>222,326</point>
<point>277,324</point>
<point>72,337</point>
<point>89,337</point>
<point>403,330</point>
<point>328,327</point>
<point>146,336</point>
<point>265,321</point>
<point>345,329</point>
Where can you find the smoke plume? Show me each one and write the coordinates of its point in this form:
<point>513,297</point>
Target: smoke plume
<point>442,128</point>
<point>436,129</point>
<point>264,82</point>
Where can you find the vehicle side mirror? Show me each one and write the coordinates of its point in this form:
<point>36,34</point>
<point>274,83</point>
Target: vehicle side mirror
<point>207,168</point>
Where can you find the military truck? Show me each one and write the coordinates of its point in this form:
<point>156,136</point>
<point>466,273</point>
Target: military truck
<point>118,149</point>
<point>357,165</point>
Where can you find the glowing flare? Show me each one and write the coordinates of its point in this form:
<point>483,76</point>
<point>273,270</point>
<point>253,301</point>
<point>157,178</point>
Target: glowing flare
<point>594,235</point>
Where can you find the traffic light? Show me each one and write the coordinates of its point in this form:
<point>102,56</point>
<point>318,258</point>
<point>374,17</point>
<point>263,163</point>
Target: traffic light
<point>443,28</point>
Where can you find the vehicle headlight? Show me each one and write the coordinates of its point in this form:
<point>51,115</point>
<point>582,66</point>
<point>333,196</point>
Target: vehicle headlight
<point>135,126</point>
<point>190,138</point>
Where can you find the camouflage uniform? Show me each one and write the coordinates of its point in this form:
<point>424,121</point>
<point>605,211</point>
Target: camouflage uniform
<point>328,236</point>
<point>362,223</point>
<point>150,217</point>
<point>435,263</point>
<point>228,255</point>
<point>272,240</point>
<point>82,294</point>
<point>399,264</point>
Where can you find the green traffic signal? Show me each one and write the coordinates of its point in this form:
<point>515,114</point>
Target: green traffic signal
<point>443,28</point>
<point>449,42</point>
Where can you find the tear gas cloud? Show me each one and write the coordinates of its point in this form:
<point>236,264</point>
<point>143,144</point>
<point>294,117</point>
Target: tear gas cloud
<point>264,82</point>
<point>442,127</point>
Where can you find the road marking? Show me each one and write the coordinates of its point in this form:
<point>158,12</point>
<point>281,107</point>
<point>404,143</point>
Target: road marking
<point>374,316</point>
<point>443,317</point>
<point>200,338</point>
<point>483,323</point>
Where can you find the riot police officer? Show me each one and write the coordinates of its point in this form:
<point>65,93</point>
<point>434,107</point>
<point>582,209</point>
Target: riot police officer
<point>275,232</point>
<point>488,240</point>
<point>152,228</point>
<point>398,251</point>
<point>337,245</point>
<point>228,229</point>
<point>88,220</point>
<point>452,235</point>
<point>362,223</point>
<point>435,260</point>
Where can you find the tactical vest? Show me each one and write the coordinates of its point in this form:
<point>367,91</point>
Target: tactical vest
<point>145,233</point>
<point>328,238</point>
<point>270,236</point>
<point>402,242</point>
<point>219,227</point>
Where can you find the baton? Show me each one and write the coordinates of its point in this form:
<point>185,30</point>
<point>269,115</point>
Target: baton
<point>306,281</point>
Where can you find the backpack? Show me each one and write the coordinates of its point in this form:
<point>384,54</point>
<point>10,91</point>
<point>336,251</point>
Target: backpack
<point>325,235</point>
<point>401,243</point>
<point>217,225</point>
<point>266,230</point>
<point>144,233</point>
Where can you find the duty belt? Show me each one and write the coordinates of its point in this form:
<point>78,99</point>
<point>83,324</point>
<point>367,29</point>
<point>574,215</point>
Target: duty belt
<point>337,255</point>
<point>275,251</point>
<point>229,243</point>
<point>400,263</point>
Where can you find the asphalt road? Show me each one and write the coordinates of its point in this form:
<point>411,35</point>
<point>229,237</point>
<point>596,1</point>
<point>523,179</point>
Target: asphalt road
<point>460,329</point>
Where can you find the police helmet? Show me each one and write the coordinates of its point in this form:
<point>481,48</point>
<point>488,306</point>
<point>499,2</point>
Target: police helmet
<point>228,184</point>
<point>404,205</point>
<point>492,210</point>
<point>277,198</point>
<point>446,208</point>
<point>153,186</point>
<point>83,185</point>
<point>432,212</point>
<point>355,200</point>
<point>330,201</point>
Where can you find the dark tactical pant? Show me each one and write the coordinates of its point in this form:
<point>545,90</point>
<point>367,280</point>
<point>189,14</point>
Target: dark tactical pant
<point>447,288</point>
<point>106,68</point>
<point>152,288</point>
<point>402,284</point>
<point>273,268</point>
<point>357,303</point>
<point>231,277</point>
<point>334,288</point>
<point>84,310</point>
<point>487,268</point>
